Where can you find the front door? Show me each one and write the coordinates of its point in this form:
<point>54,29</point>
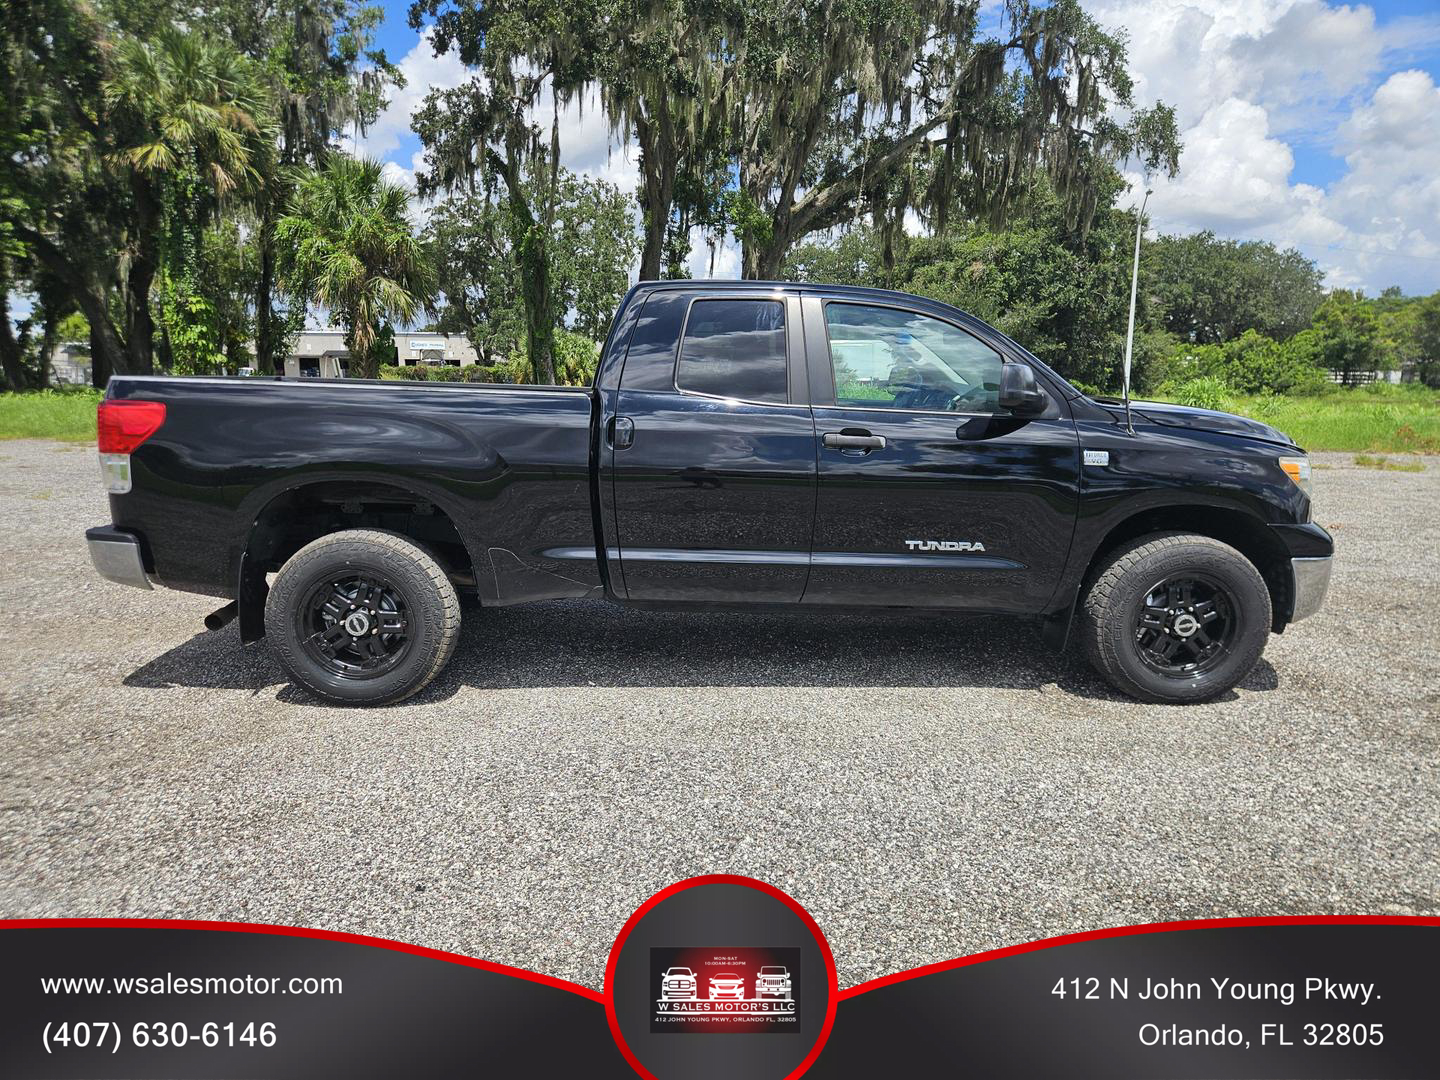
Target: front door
<point>714,463</point>
<point>930,495</point>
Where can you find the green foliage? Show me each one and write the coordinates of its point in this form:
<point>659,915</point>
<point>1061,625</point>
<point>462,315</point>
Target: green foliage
<point>1347,334</point>
<point>1206,290</point>
<point>74,328</point>
<point>1203,392</point>
<point>472,373</point>
<point>1379,418</point>
<point>576,357</point>
<point>1250,364</point>
<point>591,248</point>
<point>348,245</point>
<point>1062,295</point>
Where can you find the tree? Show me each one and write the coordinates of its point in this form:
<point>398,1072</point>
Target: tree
<point>199,131</point>
<point>528,54</point>
<point>323,69</point>
<point>1427,338</point>
<point>468,241</point>
<point>876,107</point>
<point>348,245</point>
<point>110,142</point>
<point>1210,290</point>
<point>1060,292</point>
<point>667,81</point>
<point>592,247</point>
<point>1348,334</point>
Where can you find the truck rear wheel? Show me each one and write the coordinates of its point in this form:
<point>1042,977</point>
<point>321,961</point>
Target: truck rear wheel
<point>1175,617</point>
<point>362,617</point>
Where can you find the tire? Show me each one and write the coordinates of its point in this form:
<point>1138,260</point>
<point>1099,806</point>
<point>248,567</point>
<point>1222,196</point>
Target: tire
<point>332,603</point>
<point>1159,640</point>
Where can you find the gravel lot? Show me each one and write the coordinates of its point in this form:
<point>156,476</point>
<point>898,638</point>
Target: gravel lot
<point>926,787</point>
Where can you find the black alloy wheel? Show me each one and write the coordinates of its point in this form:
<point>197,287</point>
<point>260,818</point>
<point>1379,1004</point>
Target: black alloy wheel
<point>1174,617</point>
<point>357,627</point>
<point>1185,626</point>
<point>362,617</point>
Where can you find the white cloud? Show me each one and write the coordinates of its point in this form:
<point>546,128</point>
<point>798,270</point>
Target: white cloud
<point>1254,81</point>
<point>424,72</point>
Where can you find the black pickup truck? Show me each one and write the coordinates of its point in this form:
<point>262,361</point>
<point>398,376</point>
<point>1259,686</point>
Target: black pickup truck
<point>744,444</point>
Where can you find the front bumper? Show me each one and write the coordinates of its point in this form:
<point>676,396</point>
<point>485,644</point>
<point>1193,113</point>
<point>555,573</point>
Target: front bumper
<point>117,556</point>
<point>1309,580</point>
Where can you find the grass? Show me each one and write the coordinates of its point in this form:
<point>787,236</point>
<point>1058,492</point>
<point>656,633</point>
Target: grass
<point>1382,418</point>
<point>67,415</point>
<point>1368,461</point>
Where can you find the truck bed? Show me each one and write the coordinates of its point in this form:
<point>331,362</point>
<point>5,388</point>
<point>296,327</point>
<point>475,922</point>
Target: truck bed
<point>508,466</point>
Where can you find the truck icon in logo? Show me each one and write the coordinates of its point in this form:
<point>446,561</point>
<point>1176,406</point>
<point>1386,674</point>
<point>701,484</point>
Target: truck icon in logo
<point>727,986</point>
<point>677,984</point>
<point>773,981</point>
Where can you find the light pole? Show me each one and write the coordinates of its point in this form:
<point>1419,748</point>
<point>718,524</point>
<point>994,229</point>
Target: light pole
<point>1130,331</point>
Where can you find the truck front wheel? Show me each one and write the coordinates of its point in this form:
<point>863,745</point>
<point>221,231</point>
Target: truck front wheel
<point>362,617</point>
<point>1175,617</point>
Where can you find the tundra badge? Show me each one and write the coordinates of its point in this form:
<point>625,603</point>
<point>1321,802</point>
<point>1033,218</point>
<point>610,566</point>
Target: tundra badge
<point>943,545</point>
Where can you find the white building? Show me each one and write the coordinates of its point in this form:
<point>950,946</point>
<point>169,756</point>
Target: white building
<point>323,353</point>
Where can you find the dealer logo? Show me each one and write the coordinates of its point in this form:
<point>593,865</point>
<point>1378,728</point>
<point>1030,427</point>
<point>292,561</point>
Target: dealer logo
<point>717,990</point>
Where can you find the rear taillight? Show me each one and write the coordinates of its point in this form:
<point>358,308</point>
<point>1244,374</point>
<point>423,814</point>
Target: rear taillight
<point>120,427</point>
<point>124,425</point>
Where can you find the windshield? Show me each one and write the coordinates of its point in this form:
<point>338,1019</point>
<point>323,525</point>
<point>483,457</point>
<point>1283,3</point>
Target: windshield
<point>772,971</point>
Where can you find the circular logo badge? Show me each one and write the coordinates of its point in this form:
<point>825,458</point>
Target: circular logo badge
<point>719,977</point>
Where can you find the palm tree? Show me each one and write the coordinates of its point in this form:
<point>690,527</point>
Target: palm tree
<point>348,245</point>
<point>195,125</point>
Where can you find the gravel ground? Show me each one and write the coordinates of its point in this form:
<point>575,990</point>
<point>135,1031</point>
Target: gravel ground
<point>935,789</point>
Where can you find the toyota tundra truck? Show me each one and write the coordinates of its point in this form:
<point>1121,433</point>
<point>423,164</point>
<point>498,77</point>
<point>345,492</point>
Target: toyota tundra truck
<point>745,444</point>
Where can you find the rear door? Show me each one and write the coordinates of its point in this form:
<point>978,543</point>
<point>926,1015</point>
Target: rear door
<point>929,494</point>
<point>714,450</point>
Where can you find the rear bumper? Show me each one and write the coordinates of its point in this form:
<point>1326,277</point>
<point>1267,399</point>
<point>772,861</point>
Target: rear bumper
<point>117,556</point>
<point>1310,580</point>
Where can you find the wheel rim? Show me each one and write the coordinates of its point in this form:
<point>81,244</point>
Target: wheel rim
<point>356,626</point>
<point>1186,625</point>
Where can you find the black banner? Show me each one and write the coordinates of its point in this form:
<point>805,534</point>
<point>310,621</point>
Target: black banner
<point>1287,998</point>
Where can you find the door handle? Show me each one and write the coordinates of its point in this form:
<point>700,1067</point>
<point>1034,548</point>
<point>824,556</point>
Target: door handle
<point>849,440</point>
<point>622,432</point>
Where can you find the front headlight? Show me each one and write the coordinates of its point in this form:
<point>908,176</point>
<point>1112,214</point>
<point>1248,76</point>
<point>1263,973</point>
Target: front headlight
<point>1298,469</point>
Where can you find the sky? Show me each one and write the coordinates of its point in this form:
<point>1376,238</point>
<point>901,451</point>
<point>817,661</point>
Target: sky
<point>1305,123</point>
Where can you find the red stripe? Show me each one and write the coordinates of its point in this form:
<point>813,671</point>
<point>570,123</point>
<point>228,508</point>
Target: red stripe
<point>1141,928</point>
<point>307,932</point>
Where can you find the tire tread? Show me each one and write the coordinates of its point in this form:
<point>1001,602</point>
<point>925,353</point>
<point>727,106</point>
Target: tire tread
<point>1107,578</point>
<point>445,619</point>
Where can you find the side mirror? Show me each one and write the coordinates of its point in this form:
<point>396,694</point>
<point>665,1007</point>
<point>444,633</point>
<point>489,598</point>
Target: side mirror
<point>1019,392</point>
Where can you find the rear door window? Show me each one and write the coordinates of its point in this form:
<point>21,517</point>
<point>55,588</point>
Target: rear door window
<point>735,349</point>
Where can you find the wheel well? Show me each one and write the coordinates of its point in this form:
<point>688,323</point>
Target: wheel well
<point>296,517</point>
<point>1252,538</point>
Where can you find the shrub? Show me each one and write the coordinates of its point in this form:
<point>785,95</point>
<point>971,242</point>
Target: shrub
<point>576,358</point>
<point>1251,364</point>
<point>1204,392</point>
<point>471,373</point>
